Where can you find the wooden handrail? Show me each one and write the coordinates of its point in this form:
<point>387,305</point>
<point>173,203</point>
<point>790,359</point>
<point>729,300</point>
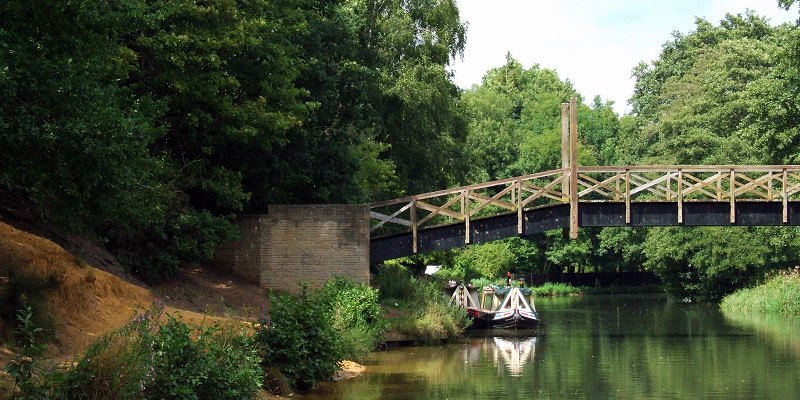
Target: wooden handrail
<point>671,183</point>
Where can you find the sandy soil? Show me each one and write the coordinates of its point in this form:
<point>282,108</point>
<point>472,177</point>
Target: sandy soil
<point>89,302</point>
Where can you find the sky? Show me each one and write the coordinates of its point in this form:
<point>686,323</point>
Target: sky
<point>594,44</point>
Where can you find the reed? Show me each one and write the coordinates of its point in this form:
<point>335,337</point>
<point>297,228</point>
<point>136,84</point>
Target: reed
<point>779,294</point>
<point>557,289</point>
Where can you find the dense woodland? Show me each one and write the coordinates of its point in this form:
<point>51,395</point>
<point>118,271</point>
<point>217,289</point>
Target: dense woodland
<point>149,125</point>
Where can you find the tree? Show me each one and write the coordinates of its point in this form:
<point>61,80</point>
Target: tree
<point>410,43</point>
<point>722,94</point>
<point>74,137</point>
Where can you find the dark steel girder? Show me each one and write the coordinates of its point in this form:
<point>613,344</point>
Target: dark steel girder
<point>591,214</point>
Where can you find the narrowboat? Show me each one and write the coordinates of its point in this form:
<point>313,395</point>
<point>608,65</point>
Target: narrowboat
<point>497,307</point>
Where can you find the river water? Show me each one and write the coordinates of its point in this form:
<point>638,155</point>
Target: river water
<point>597,347</point>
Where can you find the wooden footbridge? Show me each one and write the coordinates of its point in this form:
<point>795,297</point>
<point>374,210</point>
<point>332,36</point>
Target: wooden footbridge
<point>576,196</point>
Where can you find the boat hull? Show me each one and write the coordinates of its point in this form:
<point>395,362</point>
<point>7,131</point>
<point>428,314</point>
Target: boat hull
<point>513,319</point>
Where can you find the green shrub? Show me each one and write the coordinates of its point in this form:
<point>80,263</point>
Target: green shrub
<point>298,338</point>
<point>115,367</point>
<point>433,318</point>
<point>780,294</point>
<point>31,377</point>
<point>394,282</point>
<point>557,289</point>
<point>480,283</point>
<point>235,371</point>
<point>149,360</point>
<point>28,290</point>
<point>215,365</point>
<point>439,321</point>
<point>356,315</point>
<point>187,238</point>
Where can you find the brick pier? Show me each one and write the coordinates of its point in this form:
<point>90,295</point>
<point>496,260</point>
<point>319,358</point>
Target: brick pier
<point>300,243</point>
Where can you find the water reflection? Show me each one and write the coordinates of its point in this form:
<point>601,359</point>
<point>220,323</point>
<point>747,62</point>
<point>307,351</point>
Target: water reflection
<point>780,330</point>
<point>596,348</point>
<point>514,353</point>
<point>509,353</point>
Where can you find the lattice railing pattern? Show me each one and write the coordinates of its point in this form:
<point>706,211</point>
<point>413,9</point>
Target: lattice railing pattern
<point>469,202</point>
<point>670,183</point>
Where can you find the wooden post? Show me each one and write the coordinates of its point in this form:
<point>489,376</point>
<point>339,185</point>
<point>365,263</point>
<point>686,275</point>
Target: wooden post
<point>733,197</point>
<point>769,187</point>
<point>680,196</point>
<point>573,166</point>
<point>519,207</point>
<point>466,217</point>
<point>627,196</point>
<point>565,162</point>
<point>668,192</point>
<point>414,226</point>
<point>785,199</point>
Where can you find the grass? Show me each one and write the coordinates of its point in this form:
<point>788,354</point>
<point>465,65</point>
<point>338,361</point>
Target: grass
<point>565,289</point>
<point>431,321</point>
<point>780,294</point>
<point>557,289</point>
<point>418,306</point>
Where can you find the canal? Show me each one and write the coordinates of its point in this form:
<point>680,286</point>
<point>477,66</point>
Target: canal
<point>597,347</point>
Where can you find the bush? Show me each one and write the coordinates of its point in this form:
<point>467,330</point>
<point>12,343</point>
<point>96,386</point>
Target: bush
<point>780,294</point>
<point>433,318</point>
<point>187,238</point>
<point>27,290</point>
<point>217,365</point>
<point>115,367</point>
<point>394,282</point>
<point>557,289</point>
<point>356,315</point>
<point>298,338</point>
<point>31,377</point>
<point>480,283</point>
<point>147,359</point>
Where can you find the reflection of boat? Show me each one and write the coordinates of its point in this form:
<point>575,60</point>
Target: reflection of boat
<point>498,307</point>
<point>515,352</point>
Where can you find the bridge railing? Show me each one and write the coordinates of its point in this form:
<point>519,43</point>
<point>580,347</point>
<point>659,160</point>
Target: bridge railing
<point>659,183</point>
<point>465,203</point>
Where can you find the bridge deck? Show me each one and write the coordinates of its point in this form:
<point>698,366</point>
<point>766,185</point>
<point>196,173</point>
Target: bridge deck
<point>726,195</point>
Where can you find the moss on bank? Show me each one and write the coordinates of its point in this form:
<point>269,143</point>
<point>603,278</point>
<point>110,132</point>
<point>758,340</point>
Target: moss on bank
<point>780,294</point>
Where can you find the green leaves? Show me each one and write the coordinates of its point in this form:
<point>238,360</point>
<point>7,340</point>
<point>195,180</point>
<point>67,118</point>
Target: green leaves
<point>300,340</point>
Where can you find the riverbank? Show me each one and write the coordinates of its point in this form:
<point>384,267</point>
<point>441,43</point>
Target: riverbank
<point>77,304</point>
<point>555,289</point>
<point>779,294</point>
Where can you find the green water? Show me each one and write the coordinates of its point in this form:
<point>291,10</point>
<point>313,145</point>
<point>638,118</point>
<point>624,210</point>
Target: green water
<point>597,347</point>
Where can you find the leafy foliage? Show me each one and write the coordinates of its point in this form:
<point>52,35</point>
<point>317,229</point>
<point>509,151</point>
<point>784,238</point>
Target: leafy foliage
<point>780,294</point>
<point>117,366</point>
<point>721,94</point>
<point>433,318</point>
<point>212,366</point>
<point>300,340</point>
<point>356,315</point>
<point>394,281</point>
<point>169,360</point>
<point>149,125</point>
<point>557,289</point>
<point>30,375</point>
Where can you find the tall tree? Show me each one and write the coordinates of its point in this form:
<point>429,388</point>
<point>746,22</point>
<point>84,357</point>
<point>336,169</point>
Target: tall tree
<point>722,94</point>
<point>410,43</point>
<point>74,138</point>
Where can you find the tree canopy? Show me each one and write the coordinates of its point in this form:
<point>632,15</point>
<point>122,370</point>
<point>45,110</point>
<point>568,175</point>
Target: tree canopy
<point>149,125</point>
